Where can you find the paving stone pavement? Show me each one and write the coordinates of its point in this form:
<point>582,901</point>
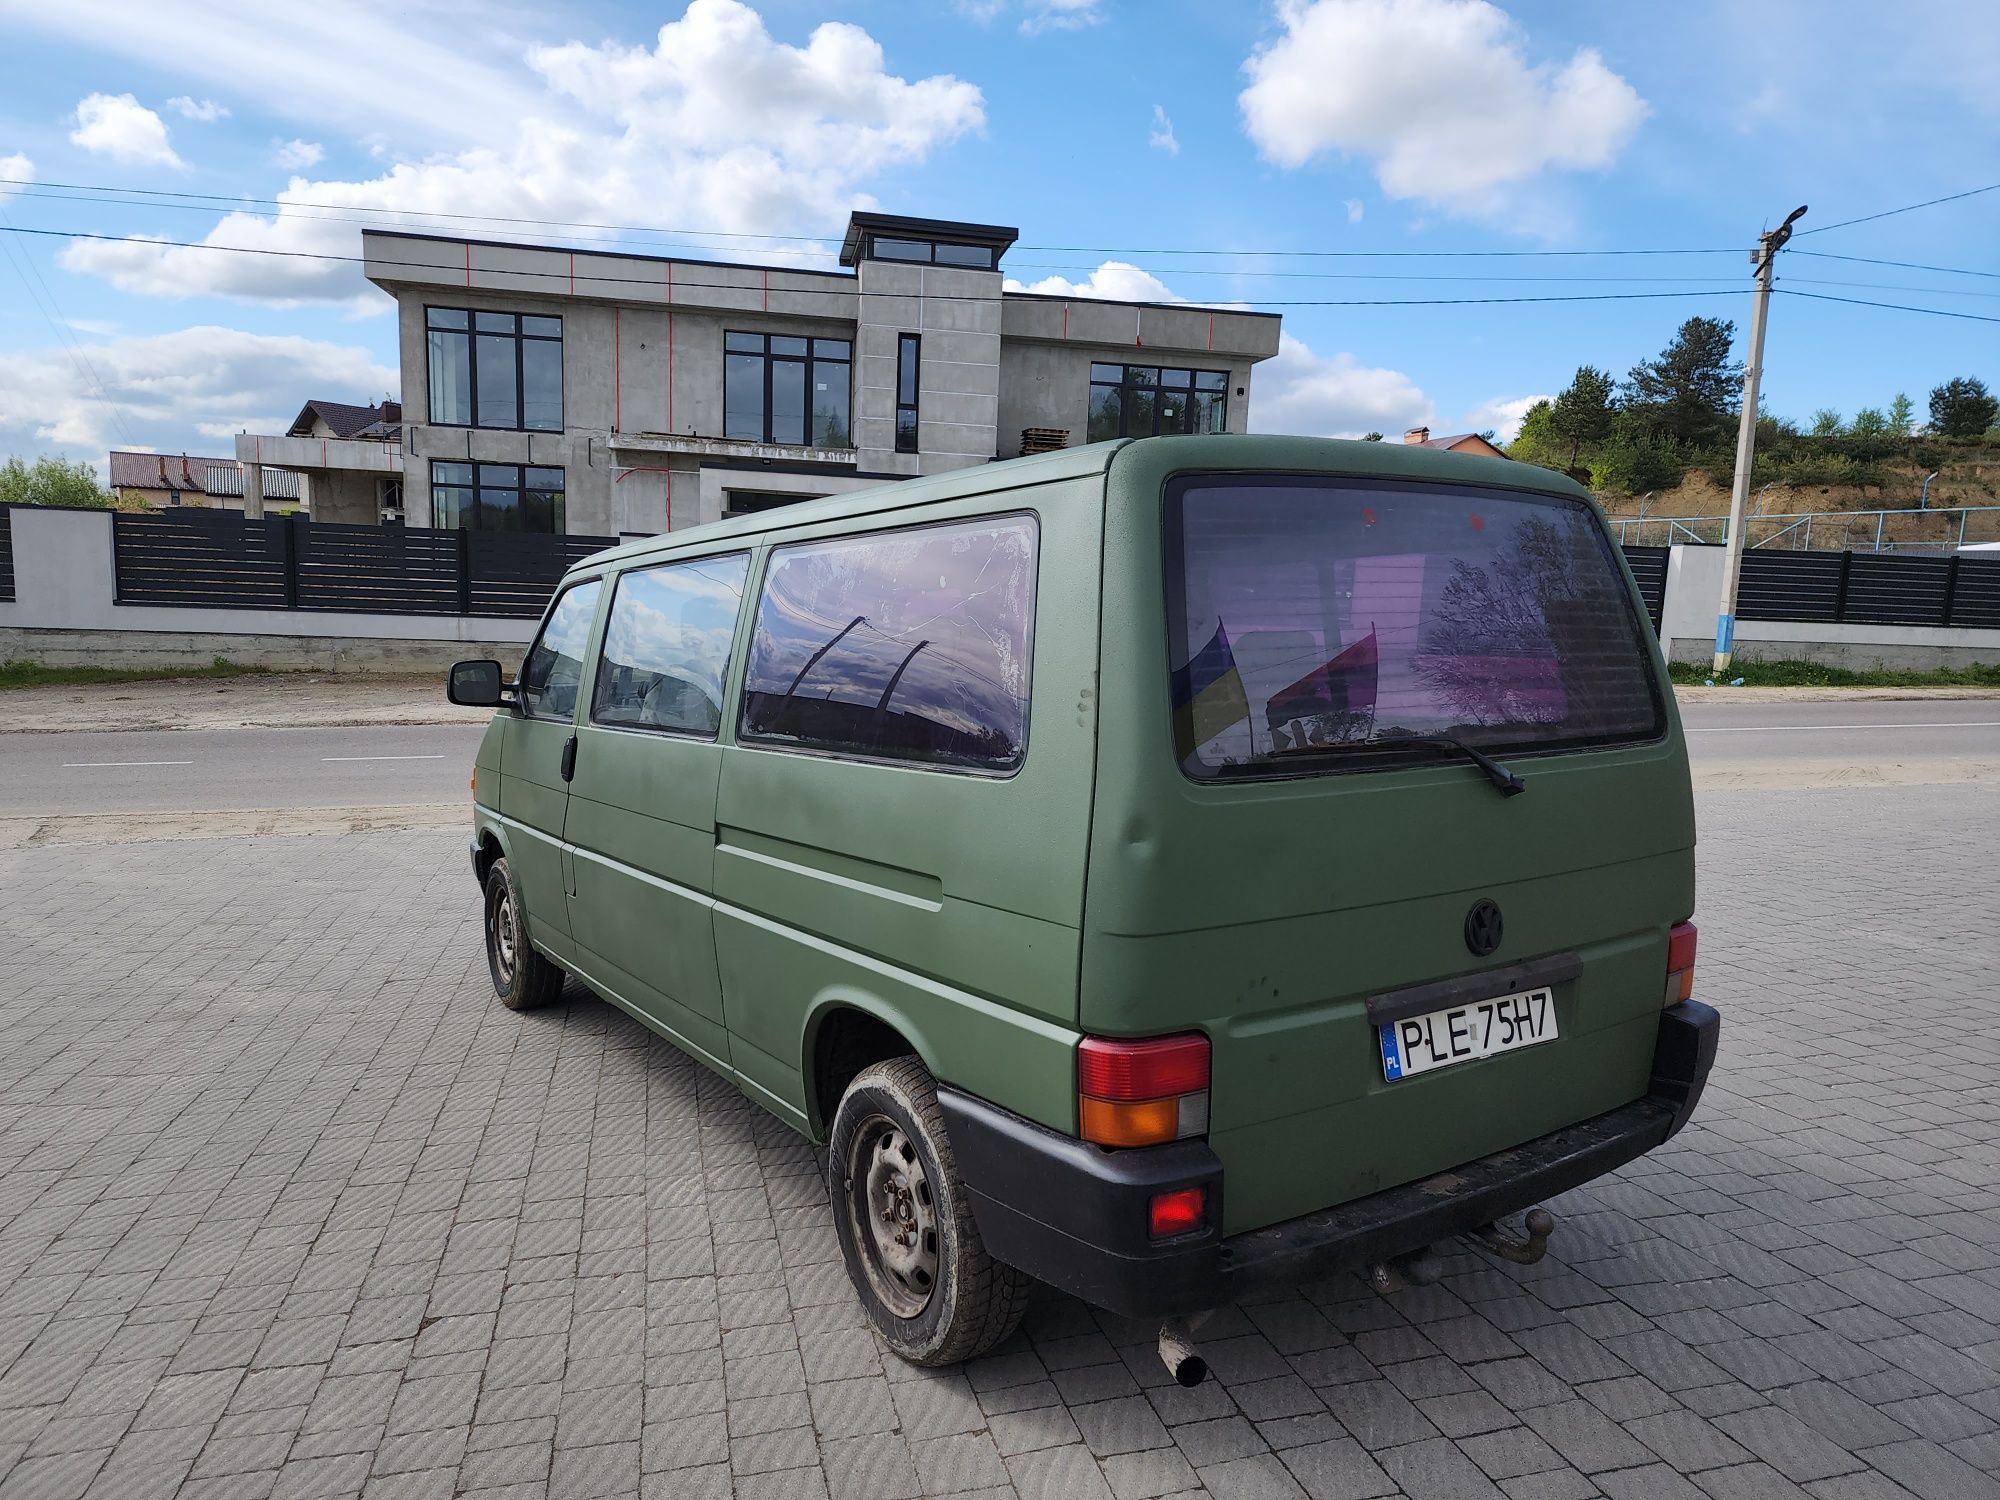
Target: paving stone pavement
<point>290,1208</point>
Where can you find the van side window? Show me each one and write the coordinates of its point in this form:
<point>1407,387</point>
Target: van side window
<point>553,671</point>
<point>904,645</point>
<point>666,646</point>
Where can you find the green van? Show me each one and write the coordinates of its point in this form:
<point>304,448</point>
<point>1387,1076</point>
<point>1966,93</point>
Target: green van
<point>1158,869</point>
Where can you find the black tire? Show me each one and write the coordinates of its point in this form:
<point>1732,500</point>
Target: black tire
<point>522,978</point>
<point>941,1298</point>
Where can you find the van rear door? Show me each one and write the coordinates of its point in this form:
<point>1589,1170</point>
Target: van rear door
<point>1285,829</point>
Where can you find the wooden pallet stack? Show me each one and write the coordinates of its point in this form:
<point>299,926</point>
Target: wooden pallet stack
<point>1043,439</point>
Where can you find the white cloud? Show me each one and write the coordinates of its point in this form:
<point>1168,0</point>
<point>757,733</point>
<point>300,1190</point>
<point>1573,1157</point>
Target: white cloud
<point>1162,137</point>
<point>164,390</point>
<point>716,124</point>
<point>1037,16</point>
<point>1438,94</point>
<point>297,155</point>
<point>120,127</point>
<point>1503,414</point>
<point>1298,391</point>
<point>1115,281</point>
<point>1059,15</point>
<point>205,111</point>
<point>1355,209</point>
<point>17,167</point>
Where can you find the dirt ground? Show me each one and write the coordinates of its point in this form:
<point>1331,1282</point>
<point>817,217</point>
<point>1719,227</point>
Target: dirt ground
<point>305,701</point>
<point>283,700</point>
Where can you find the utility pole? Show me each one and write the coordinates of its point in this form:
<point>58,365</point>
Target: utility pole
<point>1768,245</point>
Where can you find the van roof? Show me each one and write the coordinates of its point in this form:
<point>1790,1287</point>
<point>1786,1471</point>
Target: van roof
<point>1242,451</point>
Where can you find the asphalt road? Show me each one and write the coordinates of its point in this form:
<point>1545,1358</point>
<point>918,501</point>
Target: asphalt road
<point>51,775</point>
<point>1867,731</point>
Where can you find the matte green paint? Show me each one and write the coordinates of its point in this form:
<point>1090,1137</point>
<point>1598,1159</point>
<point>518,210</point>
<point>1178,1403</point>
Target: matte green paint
<point>734,897</point>
<point>1264,913</point>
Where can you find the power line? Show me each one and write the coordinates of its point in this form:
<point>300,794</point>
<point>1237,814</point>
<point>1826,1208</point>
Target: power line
<point>168,197</point>
<point>1178,271</point>
<point>1901,265</point>
<point>603,280</point>
<point>1907,208</point>
<point>1936,312</point>
<point>52,314</point>
<point>1887,286</point>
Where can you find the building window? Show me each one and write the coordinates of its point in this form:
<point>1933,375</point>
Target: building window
<point>491,369</point>
<point>496,497</point>
<point>909,645</point>
<point>1143,400</point>
<point>908,353</point>
<point>932,253</point>
<point>786,388</point>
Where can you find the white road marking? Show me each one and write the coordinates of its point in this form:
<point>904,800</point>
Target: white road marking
<point>325,758</point>
<point>91,765</point>
<point>1798,728</point>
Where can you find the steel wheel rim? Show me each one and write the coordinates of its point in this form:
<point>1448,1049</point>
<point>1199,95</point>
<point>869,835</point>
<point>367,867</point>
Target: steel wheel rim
<point>500,936</point>
<point>893,1212</point>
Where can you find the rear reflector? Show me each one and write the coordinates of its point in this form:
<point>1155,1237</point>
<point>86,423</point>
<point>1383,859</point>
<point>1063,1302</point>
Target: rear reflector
<point>1143,1092</point>
<point>1680,964</point>
<point>1177,1212</point>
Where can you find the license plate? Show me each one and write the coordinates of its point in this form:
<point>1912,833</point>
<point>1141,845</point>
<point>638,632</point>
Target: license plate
<point>1506,1023</point>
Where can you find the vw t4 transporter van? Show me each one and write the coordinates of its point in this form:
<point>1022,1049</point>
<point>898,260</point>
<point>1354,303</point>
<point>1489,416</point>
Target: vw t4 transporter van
<point>1158,869</point>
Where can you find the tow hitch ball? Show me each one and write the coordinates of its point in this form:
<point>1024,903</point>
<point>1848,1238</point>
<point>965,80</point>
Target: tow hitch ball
<point>1539,1223</point>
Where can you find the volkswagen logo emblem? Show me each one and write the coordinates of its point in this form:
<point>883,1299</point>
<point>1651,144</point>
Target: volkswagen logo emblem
<point>1483,928</point>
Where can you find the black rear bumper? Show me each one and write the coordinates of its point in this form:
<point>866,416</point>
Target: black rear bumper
<point>1074,1215</point>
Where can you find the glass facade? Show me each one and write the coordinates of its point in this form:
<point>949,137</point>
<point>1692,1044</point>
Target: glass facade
<point>491,369</point>
<point>788,388</point>
<point>496,497</point>
<point>1146,400</point>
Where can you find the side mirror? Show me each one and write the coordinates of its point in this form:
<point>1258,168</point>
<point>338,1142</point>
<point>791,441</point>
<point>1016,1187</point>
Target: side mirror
<point>475,684</point>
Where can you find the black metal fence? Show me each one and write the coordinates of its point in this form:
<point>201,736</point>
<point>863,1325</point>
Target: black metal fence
<point>1870,588</point>
<point>1649,569</point>
<point>221,560</point>
<point>6,554</point>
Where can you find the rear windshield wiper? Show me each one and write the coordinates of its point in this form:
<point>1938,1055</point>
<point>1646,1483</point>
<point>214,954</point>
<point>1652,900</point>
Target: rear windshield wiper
<point>1504,781</point>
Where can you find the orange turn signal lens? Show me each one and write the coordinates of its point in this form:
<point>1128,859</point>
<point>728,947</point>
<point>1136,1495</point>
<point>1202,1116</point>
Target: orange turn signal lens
<point>1680,964</point>
<point>1108,1122</point>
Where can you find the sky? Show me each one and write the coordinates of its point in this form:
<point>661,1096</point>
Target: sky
<point>1432,157</point>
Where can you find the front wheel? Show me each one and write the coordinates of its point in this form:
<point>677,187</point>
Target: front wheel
<point>522,978</point>
<point>906,1231</point>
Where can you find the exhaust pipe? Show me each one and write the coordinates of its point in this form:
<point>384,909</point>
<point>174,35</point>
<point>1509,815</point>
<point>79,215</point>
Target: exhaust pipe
<point>1178,1354</point>
<point>1399,1273</point>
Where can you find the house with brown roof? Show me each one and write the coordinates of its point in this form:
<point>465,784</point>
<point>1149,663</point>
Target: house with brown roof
<point>1457,442</point>
<point>348,457</point>
<point>168,480</point>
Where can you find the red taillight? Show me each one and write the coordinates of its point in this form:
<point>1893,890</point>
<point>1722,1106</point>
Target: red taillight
<point>1156,1068</point>
<point>1177,1212</point>
<point>1680,964</point>
<point>1141,1093</point>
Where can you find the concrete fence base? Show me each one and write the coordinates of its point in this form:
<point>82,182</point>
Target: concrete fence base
<point>142,649</point>
<point>66,613</point>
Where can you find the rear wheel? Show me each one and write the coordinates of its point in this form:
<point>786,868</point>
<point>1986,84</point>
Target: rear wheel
<point>906,1231</point>
<point>522,978</point>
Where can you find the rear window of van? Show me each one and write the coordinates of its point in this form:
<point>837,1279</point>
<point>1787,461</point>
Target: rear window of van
<point>1313,620</point>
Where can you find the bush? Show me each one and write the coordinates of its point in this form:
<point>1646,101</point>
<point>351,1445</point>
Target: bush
<point>52,481</point>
